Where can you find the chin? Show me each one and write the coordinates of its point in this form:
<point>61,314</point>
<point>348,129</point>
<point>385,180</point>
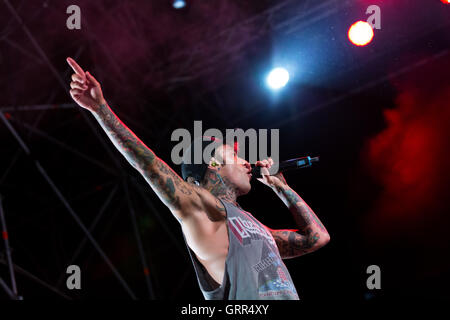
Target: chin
<point>245,189</point>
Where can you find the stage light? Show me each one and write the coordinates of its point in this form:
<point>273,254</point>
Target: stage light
<point>360,33</point>
<point>445,1</point>
<point>278,78</point>
<point>179,4</point>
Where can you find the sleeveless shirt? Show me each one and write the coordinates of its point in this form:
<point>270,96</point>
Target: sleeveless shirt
<point>254,269</point>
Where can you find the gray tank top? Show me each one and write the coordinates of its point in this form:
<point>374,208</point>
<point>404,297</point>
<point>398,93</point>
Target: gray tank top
<point>254,269</point>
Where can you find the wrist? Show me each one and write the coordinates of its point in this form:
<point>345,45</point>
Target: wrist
<point>99,106</point>
<point>279,187</point>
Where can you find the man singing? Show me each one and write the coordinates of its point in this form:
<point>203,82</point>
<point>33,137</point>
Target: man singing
<point>235,256</point>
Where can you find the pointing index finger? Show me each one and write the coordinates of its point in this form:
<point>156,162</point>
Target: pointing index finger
<point>76,67</point>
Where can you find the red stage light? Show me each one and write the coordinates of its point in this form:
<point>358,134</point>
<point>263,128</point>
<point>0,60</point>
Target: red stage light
<point>445,1</point>
<point>360,33</point>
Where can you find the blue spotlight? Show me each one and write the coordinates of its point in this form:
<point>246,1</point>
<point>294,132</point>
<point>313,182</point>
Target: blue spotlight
<point>278,78</point>
<point>179,4</point>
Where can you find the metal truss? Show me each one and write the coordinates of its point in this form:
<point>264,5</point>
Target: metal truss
<point>176,71</point>
<point>229,45</point>
<point>118,172</point>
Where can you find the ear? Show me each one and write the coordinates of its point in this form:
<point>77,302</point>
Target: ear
<point>214,164</point>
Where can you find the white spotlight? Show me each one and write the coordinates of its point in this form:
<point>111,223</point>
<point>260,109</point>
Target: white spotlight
<point>179,4</point>
<point>278,78</point>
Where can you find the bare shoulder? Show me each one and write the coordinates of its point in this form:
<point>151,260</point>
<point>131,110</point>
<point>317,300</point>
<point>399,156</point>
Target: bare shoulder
<point>205,230</point>
<point>204,219</point>
<point>213,208</point>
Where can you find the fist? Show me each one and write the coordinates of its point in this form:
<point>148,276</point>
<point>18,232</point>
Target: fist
<point>275,181</point>
<point>85,89</point>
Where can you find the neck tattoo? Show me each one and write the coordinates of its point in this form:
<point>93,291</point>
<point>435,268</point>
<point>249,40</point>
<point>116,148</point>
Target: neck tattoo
<point>222,188</point>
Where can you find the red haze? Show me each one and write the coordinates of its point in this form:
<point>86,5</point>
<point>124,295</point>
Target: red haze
<point>409,159</point>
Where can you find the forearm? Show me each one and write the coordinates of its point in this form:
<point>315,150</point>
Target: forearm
<point>172,190</point>
<point>169,187</point>
<point>131,147</point>
<point>304,216</point>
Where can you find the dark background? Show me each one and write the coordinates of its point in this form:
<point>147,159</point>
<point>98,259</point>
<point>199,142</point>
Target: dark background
<point>378,116</point>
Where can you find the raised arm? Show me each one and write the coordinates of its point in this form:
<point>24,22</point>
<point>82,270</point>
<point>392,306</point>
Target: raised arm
<point>179,196</point>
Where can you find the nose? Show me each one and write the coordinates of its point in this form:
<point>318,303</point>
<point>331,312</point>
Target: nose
<point>247,165</point>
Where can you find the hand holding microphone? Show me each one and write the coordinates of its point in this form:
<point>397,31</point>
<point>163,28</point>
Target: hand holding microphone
<point>260,170</point>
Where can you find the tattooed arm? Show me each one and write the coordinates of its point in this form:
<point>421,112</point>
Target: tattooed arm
<point>177,194</point>
<point>311,235</point>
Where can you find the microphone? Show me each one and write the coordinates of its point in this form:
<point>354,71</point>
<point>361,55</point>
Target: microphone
<point>291,164</point>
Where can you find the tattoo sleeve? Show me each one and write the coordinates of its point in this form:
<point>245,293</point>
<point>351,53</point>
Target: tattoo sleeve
<point>302,213</point>
<point>170,187</point>
<point>131,147</point>
<point>292,244</point>
<point>311,234</point>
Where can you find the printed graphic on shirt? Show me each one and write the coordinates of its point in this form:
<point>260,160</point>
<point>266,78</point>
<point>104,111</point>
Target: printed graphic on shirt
<point>265,263</point>
<point>246,230</point>
<point>277,285</point>
<point>272,279</point>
